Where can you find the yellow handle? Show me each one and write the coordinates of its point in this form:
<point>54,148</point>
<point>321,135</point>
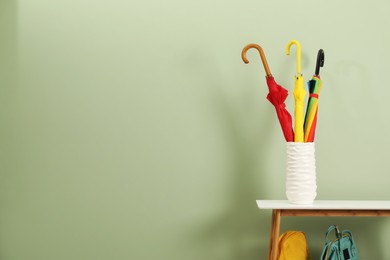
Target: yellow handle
<point>298,54</point>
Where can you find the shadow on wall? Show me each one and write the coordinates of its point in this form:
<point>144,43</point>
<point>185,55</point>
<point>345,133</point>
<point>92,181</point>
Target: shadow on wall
<point>240,232</point>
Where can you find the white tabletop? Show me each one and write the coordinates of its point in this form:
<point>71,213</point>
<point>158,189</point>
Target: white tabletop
<point>327,204</point>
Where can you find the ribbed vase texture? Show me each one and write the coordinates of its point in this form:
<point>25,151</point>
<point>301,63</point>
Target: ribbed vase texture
<point>301,186</point>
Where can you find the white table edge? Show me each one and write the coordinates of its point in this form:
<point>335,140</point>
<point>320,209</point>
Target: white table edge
<point>327,204</point>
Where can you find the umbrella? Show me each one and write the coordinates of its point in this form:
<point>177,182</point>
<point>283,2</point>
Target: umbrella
<point>299,95</point>
<point>277,94</point>
<point>315,85</point>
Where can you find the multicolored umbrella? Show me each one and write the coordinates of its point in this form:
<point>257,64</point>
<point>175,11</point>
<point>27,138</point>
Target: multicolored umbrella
<point>277,94</point>
<point>299,95</point>
<point>315,85</point>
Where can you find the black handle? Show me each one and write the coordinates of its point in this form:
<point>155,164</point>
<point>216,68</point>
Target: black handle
<point>320,61</point>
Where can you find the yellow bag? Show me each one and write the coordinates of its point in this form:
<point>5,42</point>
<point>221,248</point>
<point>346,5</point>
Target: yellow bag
<point>293,246</point>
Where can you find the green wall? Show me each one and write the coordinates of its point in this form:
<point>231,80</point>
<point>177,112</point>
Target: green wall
<point>133,130</point>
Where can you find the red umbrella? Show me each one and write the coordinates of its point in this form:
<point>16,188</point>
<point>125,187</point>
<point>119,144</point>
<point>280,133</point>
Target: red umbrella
<point>277,94</point>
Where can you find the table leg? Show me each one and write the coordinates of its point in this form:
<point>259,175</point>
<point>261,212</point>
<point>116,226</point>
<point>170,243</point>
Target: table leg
<point>274,237</point>
<point>271,240</point>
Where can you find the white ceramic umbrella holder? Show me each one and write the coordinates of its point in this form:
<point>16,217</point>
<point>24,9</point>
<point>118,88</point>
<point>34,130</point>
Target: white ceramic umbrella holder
<point>301,186</point>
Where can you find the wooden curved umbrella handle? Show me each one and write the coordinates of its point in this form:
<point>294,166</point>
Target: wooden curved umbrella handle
<point>262,56</point>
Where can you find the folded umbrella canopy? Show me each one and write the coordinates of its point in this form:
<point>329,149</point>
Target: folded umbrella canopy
<point>277,94</point>
<point>315,85</point>
<point>299,95</point>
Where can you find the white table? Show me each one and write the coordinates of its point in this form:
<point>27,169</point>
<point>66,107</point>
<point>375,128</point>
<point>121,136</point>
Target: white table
<point>367,208</point>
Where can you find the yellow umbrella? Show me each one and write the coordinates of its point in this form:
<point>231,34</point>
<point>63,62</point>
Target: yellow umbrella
<point>299,95</point>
